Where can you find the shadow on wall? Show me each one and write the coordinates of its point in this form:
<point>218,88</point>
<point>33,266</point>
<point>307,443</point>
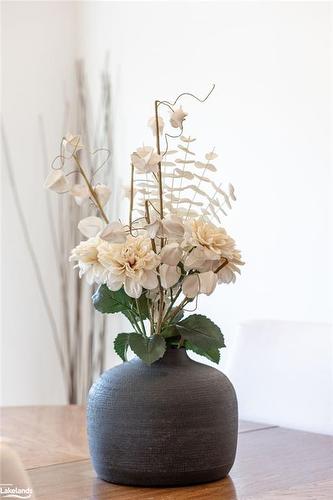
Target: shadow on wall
<point>283,374</point>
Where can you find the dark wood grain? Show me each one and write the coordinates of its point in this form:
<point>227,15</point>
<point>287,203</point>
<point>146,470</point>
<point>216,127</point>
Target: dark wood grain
<point>272,463</point>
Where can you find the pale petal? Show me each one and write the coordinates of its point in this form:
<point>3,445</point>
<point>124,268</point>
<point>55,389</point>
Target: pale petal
<point>103,193</point>
<point>169,275</point>
<point>173,227</point>
<point>90,226</point>
<point>208,282</point>
<point>114,233</point>
<point>145,160</point>
<point>154,228</point>
<point>149,280</point>
<point>171,254</point>
<point>144,151</point>
<point>177,118</point>
<point>113,282</point>
<point>80,193</point>
<point>72,143</point>
<point>57,181</point>
<point>152,125</point>
<point>226,275</point>
<point>191,286</point>
<point>132,288</point>
<point>195,259</point>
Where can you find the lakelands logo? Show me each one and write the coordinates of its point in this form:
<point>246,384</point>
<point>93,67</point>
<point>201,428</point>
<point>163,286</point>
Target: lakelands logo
<point>11,491</point>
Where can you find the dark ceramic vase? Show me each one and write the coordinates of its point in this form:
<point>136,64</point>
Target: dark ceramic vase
<point>172,423</point>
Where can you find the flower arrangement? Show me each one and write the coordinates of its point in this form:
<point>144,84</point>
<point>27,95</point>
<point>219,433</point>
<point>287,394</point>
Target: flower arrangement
<point>173,247</point>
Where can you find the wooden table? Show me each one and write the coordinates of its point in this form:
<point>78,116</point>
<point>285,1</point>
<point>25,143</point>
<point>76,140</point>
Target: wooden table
<point>272,462</point>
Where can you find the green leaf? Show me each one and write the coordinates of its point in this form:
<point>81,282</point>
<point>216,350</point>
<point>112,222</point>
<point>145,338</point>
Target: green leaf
<point>201,332</point>
<point>107,301</point>
<point>170,331</point>
<point>121,343</point>
<point>142,306</point>
<point>149,349</point>
<point>212,353</point>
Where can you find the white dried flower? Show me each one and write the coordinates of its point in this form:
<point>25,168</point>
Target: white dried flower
<point>169,275</point>
<point>103,193</point>
<point>90,226</point>
<point>208,281</point>
<point>72,144</point>
<point>114,232</point>
<point>191,286</point>
<point>86,255</point>
<point>145,160</point>
<point>154,228</point>
<point>199,283</point>
<point>80,193</point>
<point>57,181</point>
<point>173,227</point>
<point>131,264</point>
<point>177,118</point>
<point>152,125</point>
<point>171,254</point>
<point>196,259</point>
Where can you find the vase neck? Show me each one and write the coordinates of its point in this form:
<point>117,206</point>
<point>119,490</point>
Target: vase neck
<point>174,356</point>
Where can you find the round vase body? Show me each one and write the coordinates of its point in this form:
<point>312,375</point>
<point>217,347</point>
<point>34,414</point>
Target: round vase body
<point>172,423</point>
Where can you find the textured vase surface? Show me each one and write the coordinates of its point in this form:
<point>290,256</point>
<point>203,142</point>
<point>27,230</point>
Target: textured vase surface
<point>172,423</point>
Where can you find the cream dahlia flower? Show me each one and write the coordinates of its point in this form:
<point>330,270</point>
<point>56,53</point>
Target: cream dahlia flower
<point>131,264</point>
<point>214,241</point>
<point>86,255</point>
<point>227,273</point>
<point>209,248</point>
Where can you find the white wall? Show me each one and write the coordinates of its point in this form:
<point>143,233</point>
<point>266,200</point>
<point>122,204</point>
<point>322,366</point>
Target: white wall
<point>38,43</point>
<point>268,118</point>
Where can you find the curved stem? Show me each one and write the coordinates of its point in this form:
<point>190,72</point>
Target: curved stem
<point>91,190</point>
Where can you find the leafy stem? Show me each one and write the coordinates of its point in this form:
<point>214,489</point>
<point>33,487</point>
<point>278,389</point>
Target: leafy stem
<point>141,319</point>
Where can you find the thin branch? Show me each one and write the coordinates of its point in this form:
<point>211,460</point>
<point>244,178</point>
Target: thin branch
<point>158,147</point>
<point>91,190</point>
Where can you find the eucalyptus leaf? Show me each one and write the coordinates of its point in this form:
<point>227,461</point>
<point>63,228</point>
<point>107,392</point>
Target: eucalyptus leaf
<point>149,349</point>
